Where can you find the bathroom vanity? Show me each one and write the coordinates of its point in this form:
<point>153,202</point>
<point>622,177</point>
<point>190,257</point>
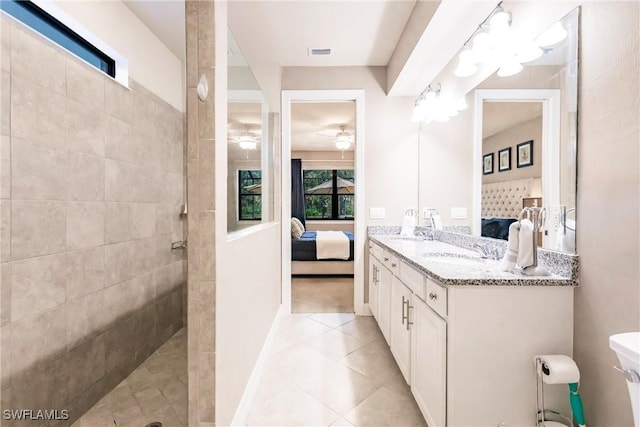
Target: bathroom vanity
<point>465,334</point>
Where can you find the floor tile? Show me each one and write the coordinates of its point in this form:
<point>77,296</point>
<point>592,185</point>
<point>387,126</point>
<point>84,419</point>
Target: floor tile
<point>373,360</point>
<point>333,320</point>
<point>363,328</point>
<point>301,327</point>
<point>334,344</point>
<point>321,294</point>
<point>291,408</point>
<point>387,408</point>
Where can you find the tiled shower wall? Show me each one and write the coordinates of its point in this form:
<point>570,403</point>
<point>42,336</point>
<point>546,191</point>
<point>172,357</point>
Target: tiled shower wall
<point>92,186</point>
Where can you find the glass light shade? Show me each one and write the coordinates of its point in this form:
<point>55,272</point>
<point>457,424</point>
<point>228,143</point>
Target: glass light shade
<point>481,47</point>
<point>418,114</point>
<point>528,51</point>
<point>466,65</point>
<point>247,143</point>
<point>509,68</point>
<point>500,26</point>
<point>555,34</point>
<point>342,144</point>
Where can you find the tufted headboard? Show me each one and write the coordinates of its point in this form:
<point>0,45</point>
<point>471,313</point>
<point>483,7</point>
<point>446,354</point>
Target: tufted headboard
<point>504,199</point>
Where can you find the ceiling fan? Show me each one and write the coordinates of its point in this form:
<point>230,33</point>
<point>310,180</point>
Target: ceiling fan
<point>342,136</point>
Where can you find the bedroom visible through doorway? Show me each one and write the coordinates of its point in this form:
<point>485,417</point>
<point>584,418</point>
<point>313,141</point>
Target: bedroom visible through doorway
<point>322,206</point>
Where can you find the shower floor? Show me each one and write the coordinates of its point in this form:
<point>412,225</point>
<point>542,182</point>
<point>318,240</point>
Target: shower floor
<point>155,391</point>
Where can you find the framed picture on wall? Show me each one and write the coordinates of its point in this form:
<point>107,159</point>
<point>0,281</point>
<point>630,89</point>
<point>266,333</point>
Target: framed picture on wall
<point>504,159</point>
<point>525,154</point>
<point>487,164</point>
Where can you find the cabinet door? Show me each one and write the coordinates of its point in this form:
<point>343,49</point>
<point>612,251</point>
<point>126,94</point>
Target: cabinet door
<point>429,363</point>
<point>374,272</point>
<point>384,301</point>
<point>400,327</point>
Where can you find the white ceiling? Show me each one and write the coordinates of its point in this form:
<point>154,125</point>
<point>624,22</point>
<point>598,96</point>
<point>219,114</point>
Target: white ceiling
<point>166,19</point>
<point>314,125</point>
<point>500,116</point>
<point>360,32</point>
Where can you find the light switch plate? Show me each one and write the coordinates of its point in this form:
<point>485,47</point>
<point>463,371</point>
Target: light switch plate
<point>377,213</point>
<point>458,213</point>
<point>555,217</point>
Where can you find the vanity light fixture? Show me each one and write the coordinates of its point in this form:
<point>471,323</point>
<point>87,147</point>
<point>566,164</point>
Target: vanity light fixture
<point>495,44</point>
<point>431,106</point>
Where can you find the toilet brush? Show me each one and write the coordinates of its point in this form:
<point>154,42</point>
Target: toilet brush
<point>576,404</point>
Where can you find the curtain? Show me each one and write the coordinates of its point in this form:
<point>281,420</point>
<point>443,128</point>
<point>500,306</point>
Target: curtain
<point>297,191</point>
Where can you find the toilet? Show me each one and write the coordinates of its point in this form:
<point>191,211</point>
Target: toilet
<point>627,348</point>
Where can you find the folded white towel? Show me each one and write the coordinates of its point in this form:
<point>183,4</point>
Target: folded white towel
<point>509,260</point>
<point>525,244</point>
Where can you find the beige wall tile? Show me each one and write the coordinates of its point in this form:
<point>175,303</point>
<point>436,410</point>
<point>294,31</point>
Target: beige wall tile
<point>85,271</point>
<point>85,318</point>
<point>37,114</point>
<point>85,84</point>
<point>144,220</point>
<point>85,122</point>
<point>120,140</point>
<point>37,172</point>
<point>5,167</point>
<point>206,179</point>
<point>37,228</point>
<point>86,365</point>
<point>47,329</point>
<point>31,54</point>
<point>143,255</point>
<point>5,293</point>
<point>163,255</point>
<point>118,302</point>
<point>207,270</point>
<point>5,361</point>
<point>37,284</point>
<point>5,103</point>
<point>123,182</point>
<point>85,179</point>
<point>143,290</point>
<point>5,230</point>
<point>118,262</point>
<point>165,216</point>
<point>85,224</point>
<point>5,40</point>
<point>118,101</point>
<point>145,112</point>
<point>192,124</point>
<point>118,225</point>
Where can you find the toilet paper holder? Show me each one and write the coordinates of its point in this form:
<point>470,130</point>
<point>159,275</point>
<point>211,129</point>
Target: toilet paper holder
<point>557,369</point>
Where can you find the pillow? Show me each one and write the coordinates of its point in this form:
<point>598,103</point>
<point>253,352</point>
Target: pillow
<point>296,228</point>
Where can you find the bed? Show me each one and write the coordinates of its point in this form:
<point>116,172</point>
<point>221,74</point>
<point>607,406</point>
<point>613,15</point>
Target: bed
<point>305,262</point>
<point>502,203</point>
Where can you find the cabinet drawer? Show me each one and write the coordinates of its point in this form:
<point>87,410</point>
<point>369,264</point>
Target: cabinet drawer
<point>376,251</point>
<point>413,278</point>
<point>391,262</point>
<point>437,297</point>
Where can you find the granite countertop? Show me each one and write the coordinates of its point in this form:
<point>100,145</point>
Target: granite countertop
<point>457,266</point>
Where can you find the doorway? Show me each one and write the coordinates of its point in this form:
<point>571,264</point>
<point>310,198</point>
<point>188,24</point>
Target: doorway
<point>331,204</point>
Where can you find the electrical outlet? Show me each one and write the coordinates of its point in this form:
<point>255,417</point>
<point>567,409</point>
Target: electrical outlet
<point>377,213</point>
<point>554,221</point>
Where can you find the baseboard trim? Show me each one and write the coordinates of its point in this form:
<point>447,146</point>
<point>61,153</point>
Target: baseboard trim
<point>240,417</point>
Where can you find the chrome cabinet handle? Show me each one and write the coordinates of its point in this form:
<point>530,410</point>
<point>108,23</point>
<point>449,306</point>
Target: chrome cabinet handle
<point>409,307</point>
<point>375,274</point>
<point>386,258</point>
<point>393,264</point>
<point>403,316</point>
<point>629,374</point>
<point>433,296</point>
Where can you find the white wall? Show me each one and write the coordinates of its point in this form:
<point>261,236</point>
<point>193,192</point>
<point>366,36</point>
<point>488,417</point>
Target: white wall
<point>151,63</point>
<point>608,299</point>
<point>391,139</point>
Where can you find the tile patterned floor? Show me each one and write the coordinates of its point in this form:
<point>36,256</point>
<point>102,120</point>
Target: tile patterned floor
<point>322,294</point>
<point>155,391</point>
<point>332,369</point>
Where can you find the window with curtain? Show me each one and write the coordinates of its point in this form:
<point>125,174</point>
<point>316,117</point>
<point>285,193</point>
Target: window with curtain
<point>249,195</point>
<point>329,194</point>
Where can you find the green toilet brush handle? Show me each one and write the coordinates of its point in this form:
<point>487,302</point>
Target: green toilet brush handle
<point>576,404</point>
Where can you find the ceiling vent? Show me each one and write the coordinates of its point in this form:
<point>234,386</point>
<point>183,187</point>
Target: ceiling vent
<point>314,51</point>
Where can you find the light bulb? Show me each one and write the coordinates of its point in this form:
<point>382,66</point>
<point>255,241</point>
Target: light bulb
<point>481,47</point>
<point>528,51</point>
<point>500,26</point>
<point>555,34</point>
<point>466,65</point>
<point>509,68</point>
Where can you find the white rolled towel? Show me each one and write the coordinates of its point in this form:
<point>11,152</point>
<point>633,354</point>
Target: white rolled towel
<point>510,256</point>
<point>525,244</point>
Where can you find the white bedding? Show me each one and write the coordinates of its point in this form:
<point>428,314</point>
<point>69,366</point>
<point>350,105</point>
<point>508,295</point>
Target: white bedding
<point>332,245</point>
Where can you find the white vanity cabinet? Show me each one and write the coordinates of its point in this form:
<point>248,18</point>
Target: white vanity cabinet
<point>400,326</point>
<point>380,287</point>
<point>468,351</point>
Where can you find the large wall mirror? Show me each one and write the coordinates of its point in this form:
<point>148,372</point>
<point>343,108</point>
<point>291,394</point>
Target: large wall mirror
<point>251,149</point>
<point>523,130</point>
<point>526,135</point>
